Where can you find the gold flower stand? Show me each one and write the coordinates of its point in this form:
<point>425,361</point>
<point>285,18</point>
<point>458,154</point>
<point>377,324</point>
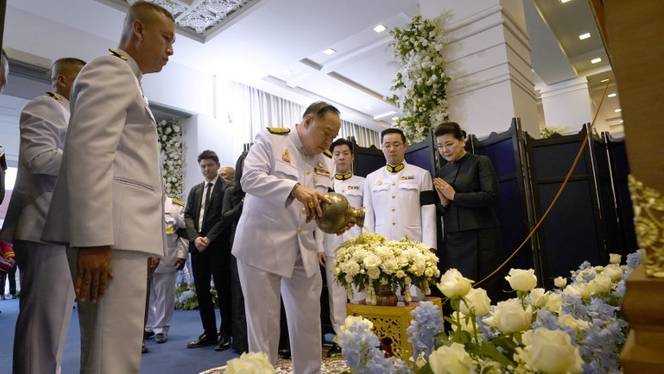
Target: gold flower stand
<point>390,324</point>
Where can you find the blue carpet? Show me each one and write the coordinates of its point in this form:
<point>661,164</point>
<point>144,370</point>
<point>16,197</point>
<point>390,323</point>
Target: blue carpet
<point>167,358</point>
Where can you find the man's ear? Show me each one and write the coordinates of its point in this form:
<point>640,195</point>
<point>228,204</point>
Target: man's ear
<point>137,29</point>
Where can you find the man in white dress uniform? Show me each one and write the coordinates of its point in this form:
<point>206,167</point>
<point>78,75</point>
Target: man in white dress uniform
<point>162,287</point>
<point>108,202</point>
<point>399,198</point>
<point>285,176</point>
<point>47,292</point>
<point>351,186</point>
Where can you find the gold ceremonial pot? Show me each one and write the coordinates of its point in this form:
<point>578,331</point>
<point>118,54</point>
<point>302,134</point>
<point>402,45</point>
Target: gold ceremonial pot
<point>338,213</point>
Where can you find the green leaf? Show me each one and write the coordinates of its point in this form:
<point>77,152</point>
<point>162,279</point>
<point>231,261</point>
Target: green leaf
<point>489,350</point>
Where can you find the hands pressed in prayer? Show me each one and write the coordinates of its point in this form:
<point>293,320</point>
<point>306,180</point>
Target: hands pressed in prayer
<point>444,190</point>
<point>93,274</point>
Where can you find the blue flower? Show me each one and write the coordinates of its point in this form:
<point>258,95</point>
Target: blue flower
<point>634,259</point>
<point>426,323</point>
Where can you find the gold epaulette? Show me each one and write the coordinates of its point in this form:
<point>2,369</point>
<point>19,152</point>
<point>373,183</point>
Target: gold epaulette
<point>117,54</point>
<point>55,96</point>
<point>177,201</point>
<point>328,153</point>
<point>278,130</point>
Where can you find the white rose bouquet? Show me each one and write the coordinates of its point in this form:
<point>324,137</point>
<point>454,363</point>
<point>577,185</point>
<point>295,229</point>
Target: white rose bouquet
<point>370,260</point>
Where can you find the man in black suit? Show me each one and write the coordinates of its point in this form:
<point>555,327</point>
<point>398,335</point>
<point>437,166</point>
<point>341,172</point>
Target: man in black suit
<point>210,252</point>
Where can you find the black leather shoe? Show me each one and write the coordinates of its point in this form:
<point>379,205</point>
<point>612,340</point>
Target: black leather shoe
<point>147,334</point>
<point>144,349</point>
<point>285,354</point>
<point>203,341</point>
<point>223,344</point>
<point>334,350</point>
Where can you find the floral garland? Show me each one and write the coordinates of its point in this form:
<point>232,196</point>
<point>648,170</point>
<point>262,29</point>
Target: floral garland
<point>420,86</point>
<point>576,328</point>
<point>170,140</point>
<point>549,132</point>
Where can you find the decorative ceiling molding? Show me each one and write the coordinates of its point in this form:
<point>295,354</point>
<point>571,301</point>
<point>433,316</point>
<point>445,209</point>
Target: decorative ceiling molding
<point>200,20</point>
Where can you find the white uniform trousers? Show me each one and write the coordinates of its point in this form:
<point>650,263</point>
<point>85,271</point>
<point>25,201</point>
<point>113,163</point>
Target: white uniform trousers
<point>301,296</point>
<point>45,307</point>
<point>337,296</point>
<point>162,302</point>
<point>112,329</point>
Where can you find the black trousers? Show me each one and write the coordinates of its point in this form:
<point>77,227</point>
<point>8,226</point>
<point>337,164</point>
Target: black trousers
<point>239,329</point>
<point>12,281</point>
<point>475,253</point>
<point>213,264</point>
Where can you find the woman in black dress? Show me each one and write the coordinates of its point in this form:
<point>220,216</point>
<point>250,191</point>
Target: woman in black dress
<point>467,187</point>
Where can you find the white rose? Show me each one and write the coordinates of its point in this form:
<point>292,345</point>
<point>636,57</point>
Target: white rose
<point>250,363</point>
<point>451,359</point>
<point>615,258</point>
<point>509,316</point>
<point>478,300</point>
<point>373,273</point>
<point>614,272</point>
<point>560,282</point>
<point>453,284</point>
<point>573,290</point>
<point>538,297</point>
<point>573,323</point>
<point>371,261</point>
<point>400,274</point>
<point>550,351</point>
<point>522,280</point>
<point>601,284</point>
<point>358,321</point>
<point>553,303</point>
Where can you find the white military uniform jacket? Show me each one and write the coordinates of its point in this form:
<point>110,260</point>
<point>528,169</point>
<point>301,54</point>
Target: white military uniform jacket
<point>176,246</point>
<point>110,188</point>
<point>353,189</point>
<point>392,203</point>
<point>272,231</point>
<point>43,126</point>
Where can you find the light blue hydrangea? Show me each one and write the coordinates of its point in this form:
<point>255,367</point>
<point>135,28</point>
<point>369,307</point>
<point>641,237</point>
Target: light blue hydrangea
<point>426,323</point>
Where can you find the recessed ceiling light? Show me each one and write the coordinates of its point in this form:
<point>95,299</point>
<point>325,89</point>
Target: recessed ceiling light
<point>604,80</point>
<point>613,94</point>
<point>329,51</point>
<point>565,1</point>
<point>379,28</point>
<point>384,115</point>
<point>595,60</point>
<point>618,110</point>
<point>621,121</point>
<point>584,36</point>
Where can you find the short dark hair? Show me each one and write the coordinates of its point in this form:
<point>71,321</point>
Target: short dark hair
<point>319,109</point>
<point>140,6</point>
<point>450,128</point>
<point>392,130</point>
<point>208,155</point>
<point>341,141</point>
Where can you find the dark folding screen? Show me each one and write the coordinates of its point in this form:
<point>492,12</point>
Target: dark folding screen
<point>506,153</point>
<point>573,232</point>
<point>422,154</point>
<point>617,154</point>
<point>367,160</point>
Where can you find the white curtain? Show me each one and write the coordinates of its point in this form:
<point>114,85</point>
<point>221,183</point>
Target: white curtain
<point>254,109</point>
<point>363,136</point>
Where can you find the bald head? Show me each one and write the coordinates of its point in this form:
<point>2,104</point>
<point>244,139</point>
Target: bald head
<point>228,173</point>
<point>63,74</point>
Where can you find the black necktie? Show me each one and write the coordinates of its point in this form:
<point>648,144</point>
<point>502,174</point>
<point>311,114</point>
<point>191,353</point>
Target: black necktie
<point>208,187</point>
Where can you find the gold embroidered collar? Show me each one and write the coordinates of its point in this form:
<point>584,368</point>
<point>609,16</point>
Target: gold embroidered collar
<point>395,169</point>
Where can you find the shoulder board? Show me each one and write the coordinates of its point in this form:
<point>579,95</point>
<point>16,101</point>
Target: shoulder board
<point>278,130</point>
<point>116,54</point>
<point>328,153</point>
<point>177,201</point>
<point>55,96</point>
